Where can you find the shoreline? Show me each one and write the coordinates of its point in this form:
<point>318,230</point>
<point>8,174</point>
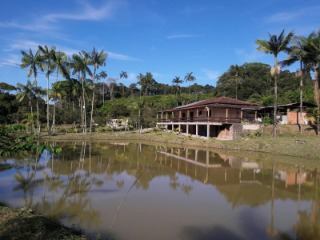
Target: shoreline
<point>295,145</point>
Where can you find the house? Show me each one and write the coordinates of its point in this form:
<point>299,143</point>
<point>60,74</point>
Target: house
<point>219,117</point>
<point>118,124</point>
<point>288,113</point>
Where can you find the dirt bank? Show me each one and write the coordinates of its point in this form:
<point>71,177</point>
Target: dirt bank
<point>23,223</point>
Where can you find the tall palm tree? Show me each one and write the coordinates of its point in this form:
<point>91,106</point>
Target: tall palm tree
<point>80,65</point>
<point>60,62</point>
<point>238,74</point>
<point>32,61</point>
<point>123,75</point>
<point>299,52</point>
<point>47,59</point>
<point>314,54</point>
<point>97,59</point>
<point>177,81</point>
<point>189,78</point>
<point>103,74</point>
<point>274,46</point>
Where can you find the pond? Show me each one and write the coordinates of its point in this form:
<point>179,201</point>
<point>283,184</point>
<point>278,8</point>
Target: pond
<point>125,190</point>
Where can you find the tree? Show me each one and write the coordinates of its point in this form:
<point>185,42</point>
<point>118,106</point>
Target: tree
<point>97,59</point>
<point>146,82</point>
<point>314,61</point>
<point>27,91</point>
<point>123,75</point>
<point>238,74</point>
<point>298,52</point>
<point>80,65</point>
<point>112,82</point>
<point>103,74</point>
<point>60,61</point>
<point>274,46</point>
<point>32,61</point>
<point>177,81</point>
<point>189,78</point>
<point>47,59</point>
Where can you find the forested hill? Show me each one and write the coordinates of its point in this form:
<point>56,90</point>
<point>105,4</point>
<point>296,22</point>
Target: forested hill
<point>252,82</point>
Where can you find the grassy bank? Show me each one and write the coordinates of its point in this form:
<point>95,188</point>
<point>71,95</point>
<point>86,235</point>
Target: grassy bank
<point>289,141</point>
<point>23,223</point>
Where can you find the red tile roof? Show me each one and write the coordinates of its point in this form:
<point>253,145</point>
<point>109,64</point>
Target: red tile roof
<point>219,102</point>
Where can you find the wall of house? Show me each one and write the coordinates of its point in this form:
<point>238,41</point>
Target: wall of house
<point>234,113</point>
<point>294,118</point>
<point>218,112</point>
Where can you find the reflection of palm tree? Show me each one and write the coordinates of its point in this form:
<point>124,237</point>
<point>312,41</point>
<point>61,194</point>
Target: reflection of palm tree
<point>120,183</point>
<point>186,188</point>
<point>271,230</point>
<point>26,184</point>
<point>174,182</point>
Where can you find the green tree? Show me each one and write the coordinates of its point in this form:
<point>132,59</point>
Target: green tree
<point>97,59</point>
<point>189,78</point>
<point>299,52</point>
<point>47,59</point>
<point>33,62</point>
<point>177,81</point>
<point>28,92</point>
<point>80,65</point>
<point>123,75</point>
<point>146,83</point>
<point>274,46</point>
<point>103,75</point>
<point>314,61</point>
<point>60,61</point>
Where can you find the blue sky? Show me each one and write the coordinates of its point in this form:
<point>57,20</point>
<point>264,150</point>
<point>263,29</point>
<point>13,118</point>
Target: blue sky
<point>165,37</point>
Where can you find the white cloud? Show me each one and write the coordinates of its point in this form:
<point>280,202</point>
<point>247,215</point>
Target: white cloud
<point>88,12</point>
<point>294,15</point>
<point>181,36</point>
<point>23,45</point>
<point>35,26</point>
<point>245,55</point>
<point>211,74</point>
<point>119,56</point>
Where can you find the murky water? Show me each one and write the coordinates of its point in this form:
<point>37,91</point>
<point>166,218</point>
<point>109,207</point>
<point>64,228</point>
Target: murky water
<point>136,191</point>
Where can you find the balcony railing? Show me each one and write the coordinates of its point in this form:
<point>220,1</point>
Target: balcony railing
<point>202,119</point>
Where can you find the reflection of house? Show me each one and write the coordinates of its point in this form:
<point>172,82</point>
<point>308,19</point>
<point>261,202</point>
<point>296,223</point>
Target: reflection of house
<point>292,178</point>
<point>217,117</point>
<point>288,113</point>
<point>118,124</point>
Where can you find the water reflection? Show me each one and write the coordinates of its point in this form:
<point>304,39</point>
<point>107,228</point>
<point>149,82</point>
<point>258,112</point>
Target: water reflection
<point>136,191</point>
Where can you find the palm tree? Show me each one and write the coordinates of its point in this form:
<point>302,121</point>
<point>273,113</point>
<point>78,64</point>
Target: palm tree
<point>275,45</point>
<point>103,75</point>
<point>238,75</point>
<point>189,78</point>
<point>177,81</point>
<point>123,75</point>
<point>299,52</point>
<point>97,59</point>
<point>33,62</point>
<point>314,61</point>
<point>60,61</point>
<point>146,82</point>
<point>80,65</point>
<point>27,91</point>
<point>47,59</point>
